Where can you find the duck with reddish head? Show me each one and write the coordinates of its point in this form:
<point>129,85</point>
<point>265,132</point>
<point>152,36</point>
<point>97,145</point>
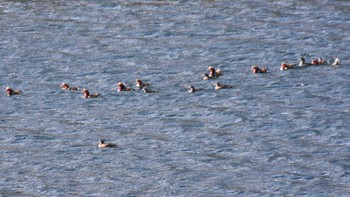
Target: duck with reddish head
<point>86,94</point>
<point>257,69</point>
<point>285,66</point>
<point>140,84</point>
<point>65,86</point>
<point>214,72</point>
<point>11,92</point>
<point>319,61</point>
<point>122,87</point>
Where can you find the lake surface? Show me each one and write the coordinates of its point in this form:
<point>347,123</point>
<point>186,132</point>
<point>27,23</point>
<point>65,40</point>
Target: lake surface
<point>283,133</point>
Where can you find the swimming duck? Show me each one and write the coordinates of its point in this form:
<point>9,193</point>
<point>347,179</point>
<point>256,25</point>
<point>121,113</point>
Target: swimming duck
<point>86,94</point>
<point>122,87</point>
<point>285,66</point>
<point>102,144</point>
<point>214,72</point>
<point>65,86</point>
<point>10,91</point>
<point>319,61</point>
<point>219,86</point>
<point>140,84</point>
<point>336,62</point>
<point>191,89</point>
<point>256,69</point>
<point>303,63</point>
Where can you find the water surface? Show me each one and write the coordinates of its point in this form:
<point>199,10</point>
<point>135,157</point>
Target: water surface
<point>280,133</point>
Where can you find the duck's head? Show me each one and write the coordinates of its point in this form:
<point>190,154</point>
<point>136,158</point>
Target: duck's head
<point>191,89</point>
<point>86,93</point>
<point>64,86</point>
<point>139,83</point>
<point>255,69</point>
<point>120,84</point>
<point>211,69</point>
<point>9,91</point>
<point>101,141</point>
<point>302,59</point>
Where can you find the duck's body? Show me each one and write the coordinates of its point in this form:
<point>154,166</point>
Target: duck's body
<point>140,84</point>
<point>191,89</point>
<point>11,92</point>
<point>336,62</point>
<point>206,76</point>
<point>65,86</point>
<point>86,94</point>
<point>285,66</point>
<point>102,144</point>
<point>145,90</point>
<point>256,69</point>
<point>219,86</point>
<point>122,87</point>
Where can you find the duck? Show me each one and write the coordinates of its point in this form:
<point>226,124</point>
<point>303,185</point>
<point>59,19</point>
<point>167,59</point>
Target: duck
<point>319,61</point>
<point>146,90</point>
<point>140,84</point>
<point>285,66</point>
<point>65,86</point>
<point>10,91</point>
<point>102,144</point>
<point>219,86</point>
<point>122,87</point>
<point>256,69</point>
<point>214,72</point>
<point>191,89</point>
<point>303,63</point>
<point>336,62</point>
<point>86,94</point>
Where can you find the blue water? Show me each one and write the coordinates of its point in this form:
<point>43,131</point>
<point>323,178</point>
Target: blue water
<point>283,133</point>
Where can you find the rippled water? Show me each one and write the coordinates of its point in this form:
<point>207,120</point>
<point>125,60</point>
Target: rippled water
<point>280,133</point>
